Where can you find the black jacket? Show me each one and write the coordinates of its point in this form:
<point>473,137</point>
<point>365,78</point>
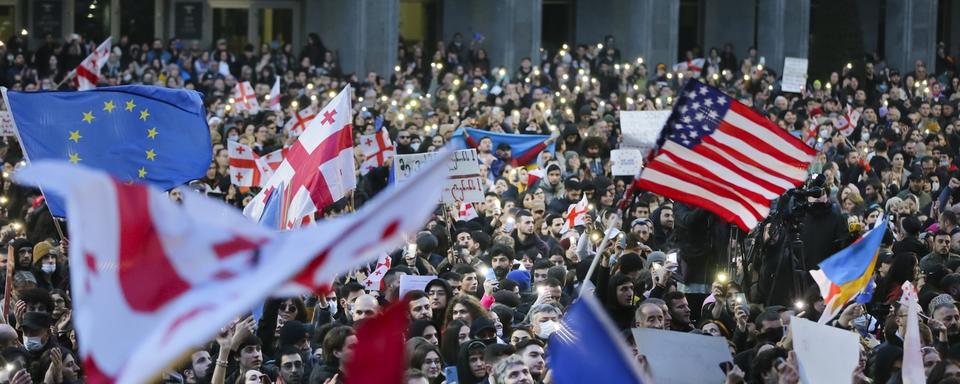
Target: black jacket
<point>703,239</point>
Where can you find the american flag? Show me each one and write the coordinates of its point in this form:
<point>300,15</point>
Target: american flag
<point>718,154</point>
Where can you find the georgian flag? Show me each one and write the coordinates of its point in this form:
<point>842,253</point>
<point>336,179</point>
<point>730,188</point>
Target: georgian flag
<point>299,121</point>
<point>318,169</point>
<point>575,215</point>
<point>467,212</point>
<point>244,98</point>
<point>273,100</point>
<point>88,72</point>
<point>375,280</point>
<point>247,169</point>
<point>377,150</point>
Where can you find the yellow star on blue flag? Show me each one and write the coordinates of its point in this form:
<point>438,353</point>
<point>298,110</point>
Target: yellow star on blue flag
<point>158,135</point>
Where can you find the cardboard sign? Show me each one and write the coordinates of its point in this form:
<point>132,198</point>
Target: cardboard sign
<point>463,184</point>
<point>6,124</point>
<point>794,74</point>
<point>626,162</point>
<point>825,354</point>
<point>672,354</point>
<point>642,128</point>
<point>414,282</point>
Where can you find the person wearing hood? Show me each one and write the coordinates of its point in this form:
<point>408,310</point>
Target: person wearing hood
<point>663,224</point>
<point>552,186</point>
<point>571,195</point>
<point>471,368</point>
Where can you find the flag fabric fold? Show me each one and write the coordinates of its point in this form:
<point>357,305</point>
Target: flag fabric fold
<point>718,154</point>
<point>848,274</point>
<point>133,321</point>
<point>247,169</point>
<point>136,133</point>
<point>588,346</point>
<point>88,72</point>
<point>375,280</point>
<point>318,169</point>
<point>524,148</point>
<point>273,99</point>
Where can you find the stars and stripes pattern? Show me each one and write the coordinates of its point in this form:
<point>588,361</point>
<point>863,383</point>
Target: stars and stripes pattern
<point>377,150</point>
<point>88,72</point>
<point>244,98</point>
<point>247,169</point>
<point>718,154</point>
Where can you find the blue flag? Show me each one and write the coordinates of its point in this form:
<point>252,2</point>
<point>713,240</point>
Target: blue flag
<point>588,347</point>
<point>136,133</point>
<point>273,210</point>
<point>524,148</point>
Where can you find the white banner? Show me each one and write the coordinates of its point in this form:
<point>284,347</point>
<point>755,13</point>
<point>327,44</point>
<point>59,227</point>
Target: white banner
<point>642,128</point>
<point>626,162</point>
<point>6,124</point>
<point>794,74</point>
<point>825,354</point>
<point>463,184</point>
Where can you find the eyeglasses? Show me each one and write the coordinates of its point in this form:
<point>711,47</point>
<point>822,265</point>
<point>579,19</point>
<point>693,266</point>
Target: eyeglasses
<point>288,308</point>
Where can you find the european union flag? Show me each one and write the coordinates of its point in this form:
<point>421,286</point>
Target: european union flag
<point>588,347</point>
<point>135,133</point>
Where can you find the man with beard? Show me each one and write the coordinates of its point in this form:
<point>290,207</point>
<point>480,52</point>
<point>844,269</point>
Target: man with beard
<point>945,323</point>
<point>197,368</point>
<point>501,259</point>
<point>291,365</point>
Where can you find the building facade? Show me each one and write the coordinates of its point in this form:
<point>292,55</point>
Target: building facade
<point>366,34</point>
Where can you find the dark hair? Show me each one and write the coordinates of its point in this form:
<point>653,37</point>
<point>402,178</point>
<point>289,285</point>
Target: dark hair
<point>541,264</point>
<point>669,297</point>
<point>464,269</point>
<point>473,306</point>
<point>763,362</point>
<point>415,294</point>
<point>419,354</point>
<point>505,314</point>
<point>417,327</point>
<point>450,341</point>
<point>528,342</point>
<point>349,287</point>
<point>334,341</point>
<point>501,249</point>
<point>464,373</point>
<point>36,295</point>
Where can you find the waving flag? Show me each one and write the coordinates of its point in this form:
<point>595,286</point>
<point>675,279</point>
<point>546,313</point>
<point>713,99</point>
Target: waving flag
<point>588,346</point>
<point>375,280</point>
<point>718,154</point>
<point>692,65</point>
<point>524,148</point>
<point>575,215</point>
<point>377,150</point>
<point>467,212</point>
<point>534,175</point>
<point>88,72</point>
<point>247,169</point>
<point>847,122</point>
<point>298,123</point>
<point>136,133</point>
<point>847,274</point>
<point>273,99</point>
<point>380,355</point>
<point>187,269</point>
<point>318,169</point>
<point>244,98</point>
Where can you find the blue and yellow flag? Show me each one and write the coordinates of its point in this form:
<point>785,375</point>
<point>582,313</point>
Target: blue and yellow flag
<point>848,274</point>
<point>136,133</point>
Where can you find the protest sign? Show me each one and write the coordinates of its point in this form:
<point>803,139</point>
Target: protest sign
<point>642,128</point>
<point>6,124</point>
<point>824,354</point>
<point>626,162</point>
<point>794,74</point>
<point>671,354</point>
<point>463,184</point>
<point>414,282</point>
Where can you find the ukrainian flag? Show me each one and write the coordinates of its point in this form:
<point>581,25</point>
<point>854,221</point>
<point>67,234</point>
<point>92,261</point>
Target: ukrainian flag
<point>848,274</point>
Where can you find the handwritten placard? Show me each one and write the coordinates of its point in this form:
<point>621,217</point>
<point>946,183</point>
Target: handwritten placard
<point>6,124</point>
<point>463,184</point>
<point>642,128</point>
<point>794,74</point>
<point>626,162</point>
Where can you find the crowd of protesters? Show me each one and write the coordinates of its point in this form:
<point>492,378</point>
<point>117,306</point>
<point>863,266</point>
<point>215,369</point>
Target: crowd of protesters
<point>504,279</point>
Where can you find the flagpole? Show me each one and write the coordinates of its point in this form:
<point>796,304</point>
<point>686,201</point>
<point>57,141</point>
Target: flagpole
<point>69,76</point>
<point>6,101</point>
<point>8,284</point>
<point>603,247</point>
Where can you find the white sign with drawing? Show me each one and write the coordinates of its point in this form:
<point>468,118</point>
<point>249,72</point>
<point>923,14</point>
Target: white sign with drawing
<point>794,74</point>
<point>626,162</point>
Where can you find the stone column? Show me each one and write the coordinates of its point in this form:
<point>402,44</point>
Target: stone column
<point>911,28</point>
<point>729,21</point>
<point>642,28</point>
<point>364,33</point>
<point>511,28</point>
<point>783,30</point>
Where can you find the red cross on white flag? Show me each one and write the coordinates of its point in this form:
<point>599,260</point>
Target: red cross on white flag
<point>247,169</point>
<point>298,122</point>
<point>319,168</point>
<point>575,215</point>
<point>88,72</point>
<point>377,150</point>
<point>244,98</point>
<point>273,100</point>
<point>467,212</point>
<point>375,280</point>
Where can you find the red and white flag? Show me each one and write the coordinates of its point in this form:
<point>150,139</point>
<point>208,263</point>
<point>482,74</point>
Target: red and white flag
<point>467,212</point>
<point>912,371</point>
<point>244,98</point>
<point>318,169</point>
<point>273,100</point>
<point>299,121</point>
<point>88,72</point>
<point>377,150</point>
<point>575,215</point>
<point>375,280</point>
<point>847,122</point>
<point>152,279</point>
<point>247,169</point>
<point>535,175</point>
<point>718,154</point>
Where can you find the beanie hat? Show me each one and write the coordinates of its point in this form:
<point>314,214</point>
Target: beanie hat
<point>40,250</point>
<point>655,257</point>
<point>521,277</point>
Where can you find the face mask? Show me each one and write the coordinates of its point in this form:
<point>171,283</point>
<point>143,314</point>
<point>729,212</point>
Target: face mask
<point>48,268</point>
<point>944,163</point>
<point>499,333</point>
<point>32,343</point>
<point>935,186</point>
<point>547,328</point>
<point>825,133</point>
<point>415,146</point>
<point>865,136</point>
<point>333,307</point>
<point>233,138</point>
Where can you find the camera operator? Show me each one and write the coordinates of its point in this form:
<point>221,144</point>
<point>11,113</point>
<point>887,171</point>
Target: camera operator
<point>805,223</point>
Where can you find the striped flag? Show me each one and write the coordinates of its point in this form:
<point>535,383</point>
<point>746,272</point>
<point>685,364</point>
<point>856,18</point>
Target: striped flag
<point>718,154</point>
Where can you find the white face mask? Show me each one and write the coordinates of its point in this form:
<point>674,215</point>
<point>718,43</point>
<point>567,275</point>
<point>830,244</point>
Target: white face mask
<point>415,146</point>
<point>32,343</point>
<point>333,306</point>
<point>48,268</point>
<point>934,187</point>
<point>233,138</point>
<point>547,328</point>
<point>865,136</point>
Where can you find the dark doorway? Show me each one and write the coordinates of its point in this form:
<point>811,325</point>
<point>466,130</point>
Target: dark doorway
<point>557,22</point>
